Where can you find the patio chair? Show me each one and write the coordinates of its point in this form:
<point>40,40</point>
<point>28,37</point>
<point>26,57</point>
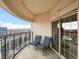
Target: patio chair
<point>37,40</point>
<point>45,44</point>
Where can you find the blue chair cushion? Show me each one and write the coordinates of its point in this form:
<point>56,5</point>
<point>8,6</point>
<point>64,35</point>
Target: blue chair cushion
<point>37,40</point>
<point>45,43</point>
<point>42,46</point>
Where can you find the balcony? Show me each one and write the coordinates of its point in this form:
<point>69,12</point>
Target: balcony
<point>57,19</point>
<point>18,46</point>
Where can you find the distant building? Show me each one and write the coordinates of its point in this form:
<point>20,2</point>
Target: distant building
<point>12,31</point>
<point>3,31</point>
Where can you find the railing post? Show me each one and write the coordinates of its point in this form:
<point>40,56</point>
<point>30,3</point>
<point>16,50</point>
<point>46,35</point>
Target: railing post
<point>20,41</point>
<point>5,46</point>
<point>32,36</point>
<point>14,44</point>
<point>25,38</point>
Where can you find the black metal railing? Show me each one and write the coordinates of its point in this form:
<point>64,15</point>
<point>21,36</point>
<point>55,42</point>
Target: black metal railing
<point>11,44</point>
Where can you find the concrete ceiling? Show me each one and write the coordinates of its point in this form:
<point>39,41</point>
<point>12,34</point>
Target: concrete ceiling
<point>39,6</point>
<point>31,9</point>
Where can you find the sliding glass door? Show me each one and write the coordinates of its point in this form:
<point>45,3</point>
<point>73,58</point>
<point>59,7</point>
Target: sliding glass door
<point>65,34</point>
<point>69,37</point>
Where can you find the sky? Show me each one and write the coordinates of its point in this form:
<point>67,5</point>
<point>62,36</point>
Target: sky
<point>12,22</point>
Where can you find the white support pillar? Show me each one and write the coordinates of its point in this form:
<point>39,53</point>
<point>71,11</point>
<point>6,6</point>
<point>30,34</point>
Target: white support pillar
<point>78,28</point>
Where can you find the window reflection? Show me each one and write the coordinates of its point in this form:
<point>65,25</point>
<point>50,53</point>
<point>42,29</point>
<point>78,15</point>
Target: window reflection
<point>70,25</point>
<point>69,37</point>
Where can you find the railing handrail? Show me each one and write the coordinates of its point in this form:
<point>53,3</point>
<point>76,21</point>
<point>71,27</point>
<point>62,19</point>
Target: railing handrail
<point>15,42</point>
<point>14,34</point>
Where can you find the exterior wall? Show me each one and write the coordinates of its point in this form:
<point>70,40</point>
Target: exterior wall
<point>41,28</point>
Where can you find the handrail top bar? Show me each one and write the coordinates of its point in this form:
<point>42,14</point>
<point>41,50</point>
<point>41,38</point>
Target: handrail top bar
<point>15,34</point>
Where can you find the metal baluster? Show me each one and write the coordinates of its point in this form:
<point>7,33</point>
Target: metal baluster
<point>5,46</point>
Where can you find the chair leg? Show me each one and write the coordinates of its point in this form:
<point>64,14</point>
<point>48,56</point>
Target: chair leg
<point>43,52</point>
<point>35,48</point>
<point>46,51</point>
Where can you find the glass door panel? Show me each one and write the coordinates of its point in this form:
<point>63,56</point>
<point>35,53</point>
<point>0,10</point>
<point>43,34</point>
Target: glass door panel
<point>55,35</point>
<point>69,37</point>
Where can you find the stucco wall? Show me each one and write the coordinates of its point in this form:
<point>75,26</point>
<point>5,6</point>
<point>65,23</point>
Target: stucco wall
<point>41,28</point>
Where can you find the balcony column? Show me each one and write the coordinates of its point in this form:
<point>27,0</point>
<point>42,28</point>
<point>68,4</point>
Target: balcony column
<point>78,28</point>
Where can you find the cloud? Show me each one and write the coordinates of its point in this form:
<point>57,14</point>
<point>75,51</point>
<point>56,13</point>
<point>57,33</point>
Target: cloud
<point>70,25</point>
<point>14,26</point>
<point>3,15</point>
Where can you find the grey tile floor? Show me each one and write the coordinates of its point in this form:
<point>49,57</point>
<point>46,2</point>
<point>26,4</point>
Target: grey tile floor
<point>30,52</point>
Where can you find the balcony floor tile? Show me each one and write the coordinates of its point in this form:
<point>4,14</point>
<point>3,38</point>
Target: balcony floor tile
<point>30,52</point>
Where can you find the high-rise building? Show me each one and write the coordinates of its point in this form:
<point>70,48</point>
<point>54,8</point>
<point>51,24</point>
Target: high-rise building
<point>3,31</point>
